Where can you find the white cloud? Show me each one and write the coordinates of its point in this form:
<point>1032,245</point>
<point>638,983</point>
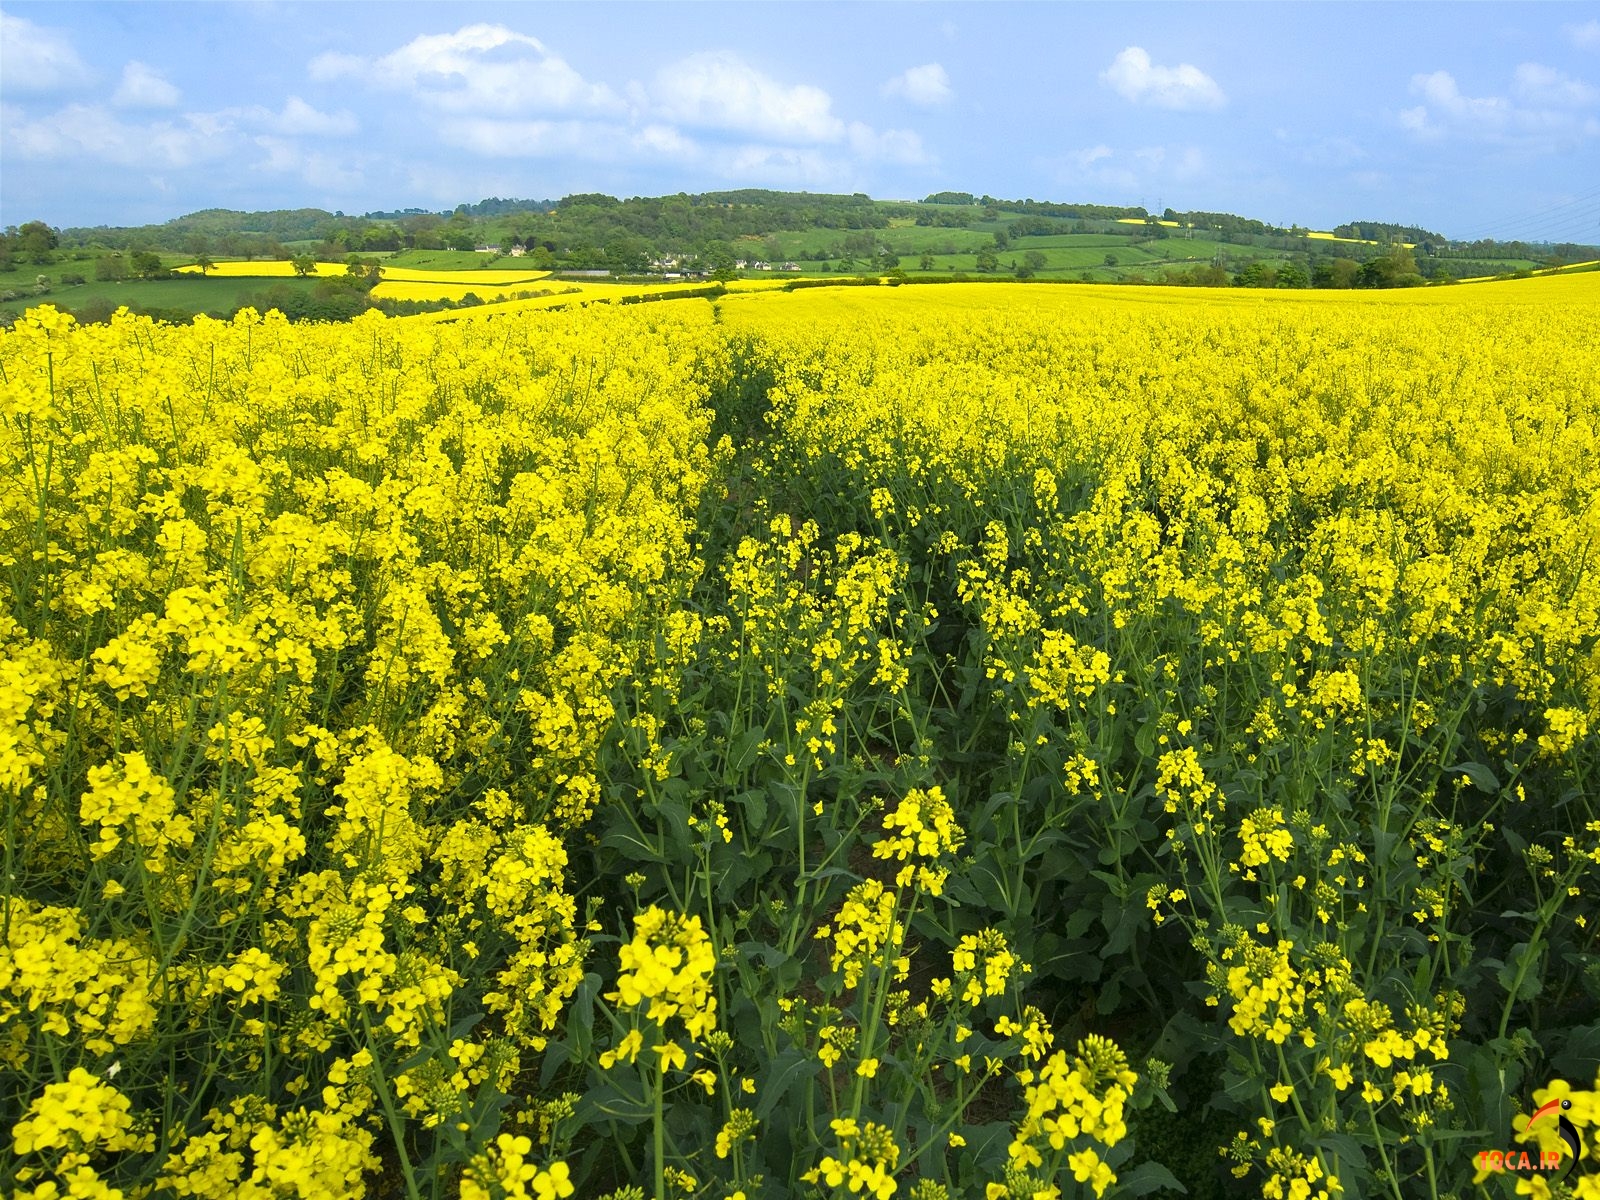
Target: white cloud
<point>331,65</point>
<point>1541,119</point>
<point>502,95</point>
<point>927,85</point>
<point>35,59</point>
<point>300,119</point>
<point>1317,151</point>
<point>594,141</point>
<point>721,91</point>
<point>477,69</point>
<point>1133,76</point>
<point>325,172</point>
<point>1444,97</point>
<point>1586,35</point>
<point>143,86</point>
<point>1130,170</point>
<point>794,166</point>
<point>93,131</point>
<point>900,146</point>
<point>1545,85</point>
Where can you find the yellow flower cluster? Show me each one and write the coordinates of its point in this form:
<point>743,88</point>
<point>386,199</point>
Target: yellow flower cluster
<point>1068,1100</point>
<point>865,1165</point>
<point>503,1172</point>
<point>865,929</point>
<point>669,963</point>
<point>54,980</point>
<point>922,826</point>
<point>985,965</point>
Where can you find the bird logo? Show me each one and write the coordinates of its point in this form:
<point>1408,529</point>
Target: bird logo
<point>1565,1129</point>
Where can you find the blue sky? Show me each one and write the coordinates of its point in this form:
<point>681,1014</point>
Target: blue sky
<point>1470,119</point>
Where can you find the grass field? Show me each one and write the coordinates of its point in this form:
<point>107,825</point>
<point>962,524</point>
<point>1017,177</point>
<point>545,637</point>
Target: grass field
<point>218,295</point>
<point>450,260</point>
<point>269,269</point>
<point>972,740</point>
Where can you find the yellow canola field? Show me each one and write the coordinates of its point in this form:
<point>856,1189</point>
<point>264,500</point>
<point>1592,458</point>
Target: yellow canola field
<point>1568,269</point>
<point>563,294</point>
<point>679,745</point>
<point>1331,237</point>
<point>469,280</point>
<point>439,289</point>
<point>1323,237</point>
<point>265,269</point>
<point>419,275</point>
<point>760,285</point>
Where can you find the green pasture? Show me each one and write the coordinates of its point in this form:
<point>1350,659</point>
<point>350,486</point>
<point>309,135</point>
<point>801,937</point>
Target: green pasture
<point>216,297</point>
<point>450,260</point>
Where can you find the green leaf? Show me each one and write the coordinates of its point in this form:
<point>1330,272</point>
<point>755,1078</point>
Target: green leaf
<point>1109,996</point>
<point>1530,984</point>
<point>1481,776</point>
<point>632,845</point>
<point>779,1079</point>
<point>743,751</point>
<point>1580,1050</point>
<point>608,1101</point>
<point>1148,1177</point>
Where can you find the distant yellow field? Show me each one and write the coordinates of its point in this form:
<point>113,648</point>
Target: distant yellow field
<point>952,298</point>
<point>269,269</point>
<point>449,289</point>
<point>472,280</point>
<point>1330,237</point>
<point>563,294</point>
<point>1568,269</point>
<point>973,297</point>
<point>411,275</point>
<point>758,285</point>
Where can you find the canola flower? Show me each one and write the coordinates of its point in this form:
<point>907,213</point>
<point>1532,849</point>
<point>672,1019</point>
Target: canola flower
<point>868,663</point>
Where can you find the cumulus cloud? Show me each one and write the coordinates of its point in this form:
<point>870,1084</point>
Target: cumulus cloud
<point>1444,99</point>
<point>900,146</point>
<point>1545,85</point>
<point>1185,87</point>
<point>96,132</point>
<point>792,165</point>
<point>1542,114</point>
<point>143,86</point>
<point>592,141</point>
<point>299,119</point>
<point>1586,35</point>
<point>500,94</point>
<point>93,131</point>
<point>325,172</point>
<point>34,59</point>
<point>477,69</point>
<point>1129,170</point>
<point>926,85</point>
<point>716,90</point>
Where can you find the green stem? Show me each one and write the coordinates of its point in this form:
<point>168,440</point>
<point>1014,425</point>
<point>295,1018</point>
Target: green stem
<point>659,1133</point>
<point>1377,1140</point>
<point>391,1116</point>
